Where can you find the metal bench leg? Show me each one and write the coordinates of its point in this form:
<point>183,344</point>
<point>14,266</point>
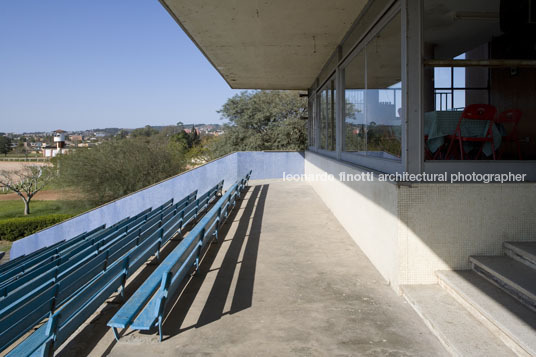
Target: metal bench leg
<point>116,335</point>
<point>160,327</point>
<point>216,236</point>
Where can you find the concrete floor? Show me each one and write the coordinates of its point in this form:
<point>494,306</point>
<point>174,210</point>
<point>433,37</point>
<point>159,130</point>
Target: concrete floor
<point>287,280</point>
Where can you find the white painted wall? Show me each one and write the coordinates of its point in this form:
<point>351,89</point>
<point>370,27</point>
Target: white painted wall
<point>410,231</point>
<point>368,211</point>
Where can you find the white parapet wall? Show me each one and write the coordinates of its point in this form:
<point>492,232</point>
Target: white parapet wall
<point>367,210</point>
<point>409,231</point>
<point>265,165</point>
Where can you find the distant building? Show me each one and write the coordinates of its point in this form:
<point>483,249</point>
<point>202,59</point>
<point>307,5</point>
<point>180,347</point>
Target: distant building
<point>59,148</point>
<point>189,131</point>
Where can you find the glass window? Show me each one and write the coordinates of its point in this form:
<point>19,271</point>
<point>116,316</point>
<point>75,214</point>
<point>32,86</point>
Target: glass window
<point>354,106</point>
<point>311,123</point>
<point>327,116</point>
<point>373,98</point>
<point>461,40</point>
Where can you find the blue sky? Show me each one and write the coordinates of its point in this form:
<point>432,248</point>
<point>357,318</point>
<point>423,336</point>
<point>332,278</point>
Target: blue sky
<point>101,63</point>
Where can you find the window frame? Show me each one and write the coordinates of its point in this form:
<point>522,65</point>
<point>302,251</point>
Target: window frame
<point>376,163</point>
<point>324,85</point>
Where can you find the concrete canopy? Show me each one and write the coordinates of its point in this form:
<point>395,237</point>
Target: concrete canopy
<point>266,44</point>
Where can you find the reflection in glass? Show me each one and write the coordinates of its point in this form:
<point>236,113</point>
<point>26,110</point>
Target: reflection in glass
<point>383,94</point>
<point>373,98</point>
<point>354,107</point>
<point>327,116</point>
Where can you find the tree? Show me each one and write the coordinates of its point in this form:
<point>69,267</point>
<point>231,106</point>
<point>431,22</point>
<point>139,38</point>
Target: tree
<point>180,142</point>
<point>195,136</point>
<point>147,131</point>
<point>22,147</point>
<point>168,131</point>
<point>5,145</point>
<point>26,182</point>
<point>200,153</point>
<point>263,120</point>
<point>118,167</point>
<point>121,134</point>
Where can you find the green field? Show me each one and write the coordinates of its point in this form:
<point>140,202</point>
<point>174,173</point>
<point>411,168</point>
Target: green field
<point>15,208</point>
<point>5,246</point>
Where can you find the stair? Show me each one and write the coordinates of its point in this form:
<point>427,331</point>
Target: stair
<point>493,302</point>
<point>514,277</point>
<point>510,321</point>
<point>450,322</point>
<point>524,252</point>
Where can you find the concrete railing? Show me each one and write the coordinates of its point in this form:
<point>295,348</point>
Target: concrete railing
<point>264,164</point>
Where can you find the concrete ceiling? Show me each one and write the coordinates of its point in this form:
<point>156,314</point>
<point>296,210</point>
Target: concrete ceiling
<point>457,26</point>
<point>266,44</point>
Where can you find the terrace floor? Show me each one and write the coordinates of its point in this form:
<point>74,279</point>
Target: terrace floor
<point>286,280</point>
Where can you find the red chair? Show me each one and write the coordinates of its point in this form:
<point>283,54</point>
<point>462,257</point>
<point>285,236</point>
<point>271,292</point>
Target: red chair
<point>512,116</point>
<point>474,112</point>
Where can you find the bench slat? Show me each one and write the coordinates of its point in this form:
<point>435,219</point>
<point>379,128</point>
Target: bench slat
<point>19,322</point>
<point>146,306</point>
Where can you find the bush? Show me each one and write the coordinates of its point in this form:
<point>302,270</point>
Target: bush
<point>116,168</point>
<point>12,229</point>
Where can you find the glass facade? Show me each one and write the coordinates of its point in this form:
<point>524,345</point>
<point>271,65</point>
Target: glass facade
<point>481,58</point>
<point>326,111</point>
<point>373,97</point>
<point>477,86</point>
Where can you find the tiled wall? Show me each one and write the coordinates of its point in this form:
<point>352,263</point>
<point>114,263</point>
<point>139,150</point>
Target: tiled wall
<point>410,231</point>
<point>441,225</point>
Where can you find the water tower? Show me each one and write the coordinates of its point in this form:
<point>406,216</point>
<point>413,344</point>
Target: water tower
<point>59,139</point>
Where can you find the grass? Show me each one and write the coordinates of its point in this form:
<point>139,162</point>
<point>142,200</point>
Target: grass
<point>5,245</point>
<point>15,208</point>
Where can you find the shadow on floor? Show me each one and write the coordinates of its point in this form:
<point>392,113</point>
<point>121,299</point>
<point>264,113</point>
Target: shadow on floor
<point>248,233</point>
<point>86,340</point>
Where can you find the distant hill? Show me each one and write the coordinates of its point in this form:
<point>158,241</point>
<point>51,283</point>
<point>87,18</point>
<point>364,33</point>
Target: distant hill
<point>114,131</point>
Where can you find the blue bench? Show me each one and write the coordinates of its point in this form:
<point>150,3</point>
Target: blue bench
<point>22,265</point>
<point>145,309</point>
<point>19,266</point>
<point>68,273</point>
<point>17,261</point>
<point>57,254</point>
<point>68,301</point>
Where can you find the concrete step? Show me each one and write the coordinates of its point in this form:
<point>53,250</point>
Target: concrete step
<point>450,323</point>
<point>517,279</point>
<point>504,316</point>
<point>524,252</point>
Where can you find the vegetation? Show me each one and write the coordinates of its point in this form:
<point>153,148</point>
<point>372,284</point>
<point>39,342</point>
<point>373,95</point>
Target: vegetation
<point>5,245</point>
<point>26,182</point>
<point>118,167</point>
<point>13,208</point>
<point>147,131</point>
<point>15,228</point>
<point>262,120</point>
<point>5,145</point>
<point>259,120</point>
